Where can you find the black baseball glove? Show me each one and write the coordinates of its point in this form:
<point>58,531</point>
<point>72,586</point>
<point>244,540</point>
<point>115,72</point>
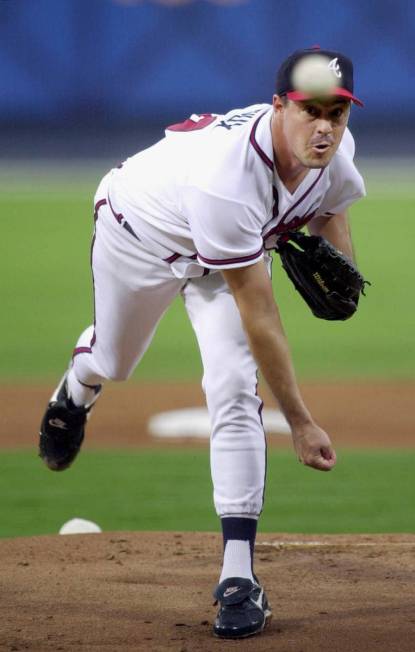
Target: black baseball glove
<point>326,279</point>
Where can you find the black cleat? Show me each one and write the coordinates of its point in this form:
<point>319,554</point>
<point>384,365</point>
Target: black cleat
<point>62,429</point>
<point>243,608</point>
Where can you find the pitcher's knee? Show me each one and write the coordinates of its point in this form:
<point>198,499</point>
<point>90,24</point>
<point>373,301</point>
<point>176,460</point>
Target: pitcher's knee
<point>114,370</point>
<point>94,363</point>
<point>117,373</point>
<point>231,390</point>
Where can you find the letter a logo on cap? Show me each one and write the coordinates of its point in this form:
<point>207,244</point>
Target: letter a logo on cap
<point>334,66</point>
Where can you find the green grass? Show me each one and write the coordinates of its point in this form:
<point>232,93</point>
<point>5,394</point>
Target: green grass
<point>153,490</point>
<point>47,298</point>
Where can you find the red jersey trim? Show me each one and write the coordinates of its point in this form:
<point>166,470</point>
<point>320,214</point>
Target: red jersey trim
<point>257,147</point>
<point>230,261</point>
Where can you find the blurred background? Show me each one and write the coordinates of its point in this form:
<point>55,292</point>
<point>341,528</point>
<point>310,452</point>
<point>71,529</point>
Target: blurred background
<point>86,84</point>
<point>103,77</point>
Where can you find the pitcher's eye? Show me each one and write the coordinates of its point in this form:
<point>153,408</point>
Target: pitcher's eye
<point>337,113</point>
<point>311,110</point>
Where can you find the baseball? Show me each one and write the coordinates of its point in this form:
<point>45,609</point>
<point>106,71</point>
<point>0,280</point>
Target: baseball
<point>314,75</point>
<point>79,526</point>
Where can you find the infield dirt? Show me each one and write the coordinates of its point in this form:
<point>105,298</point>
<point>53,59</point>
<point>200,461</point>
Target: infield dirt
<point>152,591</point>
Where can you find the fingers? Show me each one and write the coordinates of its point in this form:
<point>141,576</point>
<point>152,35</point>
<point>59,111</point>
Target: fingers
<point>324,465</point>
<point>324,460</point>
<point>314,449</point>
<point>329,455</point>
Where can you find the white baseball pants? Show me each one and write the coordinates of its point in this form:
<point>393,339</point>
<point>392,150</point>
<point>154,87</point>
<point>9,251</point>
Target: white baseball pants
<point>133,288</point>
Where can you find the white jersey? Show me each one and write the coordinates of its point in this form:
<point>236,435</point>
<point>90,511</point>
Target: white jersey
<point>208,197</point>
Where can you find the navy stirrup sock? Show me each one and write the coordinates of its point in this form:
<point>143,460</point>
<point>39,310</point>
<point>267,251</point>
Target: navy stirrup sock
<point>238,544</point>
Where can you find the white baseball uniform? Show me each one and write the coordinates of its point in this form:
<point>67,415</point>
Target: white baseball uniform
<point>206,197</point>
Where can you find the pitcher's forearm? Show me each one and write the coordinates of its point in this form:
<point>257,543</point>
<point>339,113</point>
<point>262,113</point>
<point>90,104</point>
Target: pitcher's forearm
<point>335,229</point>
<point>252,289</point>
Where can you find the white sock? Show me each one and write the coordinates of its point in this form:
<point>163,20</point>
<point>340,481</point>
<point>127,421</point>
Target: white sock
<point>237,560</point>
<point>78,393</point>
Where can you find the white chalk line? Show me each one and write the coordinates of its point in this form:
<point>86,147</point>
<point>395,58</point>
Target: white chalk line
<point>327,544</point>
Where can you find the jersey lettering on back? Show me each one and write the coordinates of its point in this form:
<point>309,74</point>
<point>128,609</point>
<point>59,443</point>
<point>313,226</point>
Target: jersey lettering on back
<point>236,120</point>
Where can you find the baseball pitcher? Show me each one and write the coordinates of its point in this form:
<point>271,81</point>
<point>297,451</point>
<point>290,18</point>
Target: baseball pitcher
<point>199,214</point>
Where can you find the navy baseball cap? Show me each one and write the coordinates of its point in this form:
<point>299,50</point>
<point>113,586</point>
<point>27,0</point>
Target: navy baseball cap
<point>340,64</point>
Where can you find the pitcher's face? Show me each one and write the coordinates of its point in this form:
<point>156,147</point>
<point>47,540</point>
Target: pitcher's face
<point>313,129</point>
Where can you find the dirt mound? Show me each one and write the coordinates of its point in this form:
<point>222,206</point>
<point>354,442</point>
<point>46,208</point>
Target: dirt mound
<point>152,591</point>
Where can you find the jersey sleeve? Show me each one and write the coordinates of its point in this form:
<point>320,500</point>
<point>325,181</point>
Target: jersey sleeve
<point>226,233</point>
<point>346,184</point>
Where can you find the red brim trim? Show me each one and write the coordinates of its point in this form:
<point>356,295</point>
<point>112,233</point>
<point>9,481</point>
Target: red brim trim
<point>297,96</point>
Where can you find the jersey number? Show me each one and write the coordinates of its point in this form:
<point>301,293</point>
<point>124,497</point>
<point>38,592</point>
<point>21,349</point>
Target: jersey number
<point>194,123</point>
